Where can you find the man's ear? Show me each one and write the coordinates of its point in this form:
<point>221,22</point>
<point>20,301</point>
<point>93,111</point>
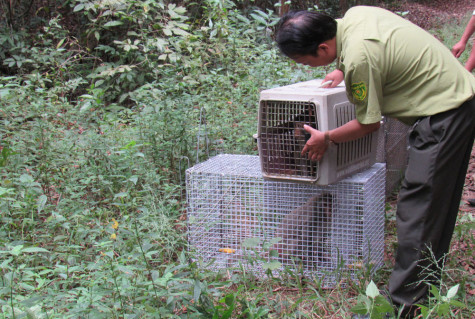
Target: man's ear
<point>323,46</point>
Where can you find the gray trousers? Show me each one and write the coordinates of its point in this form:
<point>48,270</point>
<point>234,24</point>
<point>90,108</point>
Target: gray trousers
<point>439,153</point>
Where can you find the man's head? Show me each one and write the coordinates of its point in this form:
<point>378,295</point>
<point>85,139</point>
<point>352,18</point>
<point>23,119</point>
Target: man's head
<point>307,34</point>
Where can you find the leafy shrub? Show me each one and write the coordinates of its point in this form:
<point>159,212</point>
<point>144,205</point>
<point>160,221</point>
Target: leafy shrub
<point>105,105</point>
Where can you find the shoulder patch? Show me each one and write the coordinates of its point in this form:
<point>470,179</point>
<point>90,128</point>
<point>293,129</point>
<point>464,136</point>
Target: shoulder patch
<point>359,91</point>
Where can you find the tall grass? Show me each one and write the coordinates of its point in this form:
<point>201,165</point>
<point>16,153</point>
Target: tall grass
<point>92,205</point>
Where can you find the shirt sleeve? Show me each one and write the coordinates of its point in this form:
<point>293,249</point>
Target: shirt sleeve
<point>363,88</point>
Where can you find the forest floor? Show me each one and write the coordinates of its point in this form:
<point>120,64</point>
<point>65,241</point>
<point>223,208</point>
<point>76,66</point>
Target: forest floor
<point>430,14</point>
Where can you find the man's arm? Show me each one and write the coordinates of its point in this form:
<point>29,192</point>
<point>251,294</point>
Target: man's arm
<point>459,47</point>
<point>316,145</point>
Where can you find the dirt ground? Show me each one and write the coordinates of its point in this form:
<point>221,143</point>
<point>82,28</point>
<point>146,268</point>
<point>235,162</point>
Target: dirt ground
<point>432,13</point>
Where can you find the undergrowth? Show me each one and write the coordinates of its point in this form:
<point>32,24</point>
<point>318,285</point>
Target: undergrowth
<point>97,127</point>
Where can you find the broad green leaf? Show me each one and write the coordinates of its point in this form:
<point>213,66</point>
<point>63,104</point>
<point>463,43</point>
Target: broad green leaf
<point>126,270</point>
<point>87,96</point>
<point>129,145</point>
<point>79,7</point>
<point>443,309</point>
<point>383,305</point>
<point>26,179</point>
<point>178,31</point>
<point>4,92</point>
<point>5,263</point>
<point>452,291</point>
<point>109,254</point>
<point>164,280</point>
<point>457,304</point>
<point>41,202</point>
<point>259,19</point>
<point>26,286</point>
<point>134,179</point>
<point>251,242</point>
<point>4,191</point>
<point>371,290</point>
<point>85,107</point>
<point>361,307</point>
<point>197,290</point>
<point>230,300</point>
<point>243,19</point>
<point>434,291</point>
<point>121,195</point>
<point>180,10</point>
<point>262,14</point>
<point>35,250</point>
<point>60,43</point>
<point>16,251</point>
<point>9,276</point>
<point>167,31</point>
<point>113,24</point>
<point>273,253</point>
<point>154,274</point>
<point>273,265</point>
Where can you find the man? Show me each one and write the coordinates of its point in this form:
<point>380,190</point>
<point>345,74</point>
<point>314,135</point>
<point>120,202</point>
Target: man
<point>394,68</point>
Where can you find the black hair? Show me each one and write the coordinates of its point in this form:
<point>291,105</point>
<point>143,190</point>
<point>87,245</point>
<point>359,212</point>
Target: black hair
<point>301,32</point>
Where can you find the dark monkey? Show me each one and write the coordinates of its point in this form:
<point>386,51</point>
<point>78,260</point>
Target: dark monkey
<point>305,231</point>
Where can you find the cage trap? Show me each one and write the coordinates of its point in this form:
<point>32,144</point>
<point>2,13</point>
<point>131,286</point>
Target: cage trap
<point>238,218</point>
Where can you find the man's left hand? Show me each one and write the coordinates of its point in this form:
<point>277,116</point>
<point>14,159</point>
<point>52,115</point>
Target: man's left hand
<point>315,146</point>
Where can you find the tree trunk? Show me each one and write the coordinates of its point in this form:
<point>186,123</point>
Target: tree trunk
<point>284,8</point>
<point>343,6</point>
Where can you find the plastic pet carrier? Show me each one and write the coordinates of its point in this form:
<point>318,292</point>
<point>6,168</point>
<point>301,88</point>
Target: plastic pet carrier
<point>283,112</point>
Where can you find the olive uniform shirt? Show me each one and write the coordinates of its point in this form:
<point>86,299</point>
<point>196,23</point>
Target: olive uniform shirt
<point>394,68</point>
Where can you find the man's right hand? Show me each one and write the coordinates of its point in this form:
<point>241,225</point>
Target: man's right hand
<point>336,76</point>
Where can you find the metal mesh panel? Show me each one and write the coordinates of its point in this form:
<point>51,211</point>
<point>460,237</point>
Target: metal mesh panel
<point>283,138</point>
<point>392,150</point>
<point>328,230</point>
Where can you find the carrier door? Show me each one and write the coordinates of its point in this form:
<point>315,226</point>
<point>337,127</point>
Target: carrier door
<point>281,138</point>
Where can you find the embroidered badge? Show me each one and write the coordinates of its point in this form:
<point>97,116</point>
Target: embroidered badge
<point>359,91</point>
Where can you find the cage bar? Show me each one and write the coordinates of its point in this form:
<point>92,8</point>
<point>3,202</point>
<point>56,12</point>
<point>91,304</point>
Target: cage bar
<point>236,218</point>
<point>392,150</point>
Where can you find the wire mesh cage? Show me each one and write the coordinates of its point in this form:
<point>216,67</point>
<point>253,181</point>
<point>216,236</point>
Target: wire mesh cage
<point>284,111</point>
<point>392,150</point>
<point>238,218</point>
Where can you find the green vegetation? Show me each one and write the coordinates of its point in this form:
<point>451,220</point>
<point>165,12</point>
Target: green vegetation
<point>104,104</point>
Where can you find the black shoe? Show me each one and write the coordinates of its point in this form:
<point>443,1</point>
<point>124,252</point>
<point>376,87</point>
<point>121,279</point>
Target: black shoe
<point>471,201</point>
